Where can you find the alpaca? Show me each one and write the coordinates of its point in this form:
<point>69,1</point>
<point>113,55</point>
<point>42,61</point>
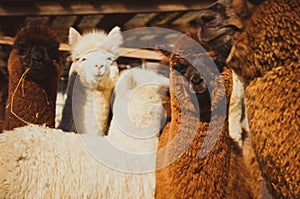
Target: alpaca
<point>92,78</point>
<point>56,164</point>
<point>183,170</point>
<point>215,31</point>
<point>34,67</point>
<point>265,57</point>
<point>227,19</point>
<point>133,107</point>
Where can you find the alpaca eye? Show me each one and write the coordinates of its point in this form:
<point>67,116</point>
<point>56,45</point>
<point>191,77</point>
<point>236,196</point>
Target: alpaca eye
<point>111,59</point>
<point>196,79</point>
<point>22,50</point>
<point>79,59</point>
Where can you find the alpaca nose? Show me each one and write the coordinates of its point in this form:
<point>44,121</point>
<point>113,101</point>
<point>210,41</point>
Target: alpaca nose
<point>36,60</point>
<point>101,69</point>
<point>37,54</point>
<point>99,66</point>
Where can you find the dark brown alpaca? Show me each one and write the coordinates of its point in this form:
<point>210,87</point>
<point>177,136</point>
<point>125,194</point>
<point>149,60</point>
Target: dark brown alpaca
<point>34,70</point>
<point>219,174</point>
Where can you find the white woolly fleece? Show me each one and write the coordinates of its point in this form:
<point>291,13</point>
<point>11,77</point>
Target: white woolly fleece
<point>39,162</point>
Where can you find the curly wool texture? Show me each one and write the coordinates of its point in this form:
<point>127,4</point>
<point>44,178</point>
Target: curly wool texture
<point>33,101</point>
<point>3,97</point>
<point>266,58</point>
<point>40,162</point>
<point>270,39</point>
<point>275,128</point>
<point>220,174</point>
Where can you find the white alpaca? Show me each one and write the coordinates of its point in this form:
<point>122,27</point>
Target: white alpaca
<point>92,78</point>
<point>39,162</point>
<point>238,121</point>
<point>137,111</point>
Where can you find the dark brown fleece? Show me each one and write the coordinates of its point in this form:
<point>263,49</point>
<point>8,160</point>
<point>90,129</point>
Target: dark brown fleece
<point>219,174</point>
<point>3,97</point>
<point>34,100</point>
<point>266,57</point>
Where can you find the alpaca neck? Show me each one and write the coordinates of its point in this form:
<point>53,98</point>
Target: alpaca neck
<point>198,152</point>
<point>139,154</point>
<point>90,109</point>
<point>126,140</point>
<point>30,103</point>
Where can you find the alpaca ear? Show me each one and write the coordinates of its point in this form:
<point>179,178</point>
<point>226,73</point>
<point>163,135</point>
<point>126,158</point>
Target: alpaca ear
<point>125,82</point>
<point>163,88</point>
<point>74,36</point>
<point>115,31</point>
<point>114,40</point>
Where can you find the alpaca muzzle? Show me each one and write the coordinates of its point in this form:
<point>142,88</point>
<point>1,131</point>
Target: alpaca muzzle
<point>217,28</point>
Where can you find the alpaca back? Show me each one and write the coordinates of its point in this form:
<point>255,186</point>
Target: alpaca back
<point>56,164</point>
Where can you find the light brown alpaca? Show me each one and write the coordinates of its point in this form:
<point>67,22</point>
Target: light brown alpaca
<point>34,71</point>
<point>266,58</point>
<point>219,174</point>
<point>218,25</point>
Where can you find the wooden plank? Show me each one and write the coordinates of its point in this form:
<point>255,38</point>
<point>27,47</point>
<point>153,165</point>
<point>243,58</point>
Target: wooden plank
<point>63,22</point>
<point>90,21</point>
<point>186,18</point>
<point>6,40</point>
<point>164,18</point>
<point>95,7</point>
<point>36,18</point>
<point>139,20</point>
<point>125,52</point>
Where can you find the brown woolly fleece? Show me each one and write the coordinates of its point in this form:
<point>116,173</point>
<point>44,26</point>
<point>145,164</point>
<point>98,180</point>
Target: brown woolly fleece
<point>3,97</point>
<point>32,97</point>
<point>219,174</point>
<point>266,57</point>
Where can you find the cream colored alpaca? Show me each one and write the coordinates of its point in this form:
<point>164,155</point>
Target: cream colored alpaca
<point>137,111</point>
<point>39,162</point>
<point>92,78</point>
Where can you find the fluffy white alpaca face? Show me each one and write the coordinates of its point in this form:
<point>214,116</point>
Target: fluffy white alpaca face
<point>95,67</point>
<point>93,55</point>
